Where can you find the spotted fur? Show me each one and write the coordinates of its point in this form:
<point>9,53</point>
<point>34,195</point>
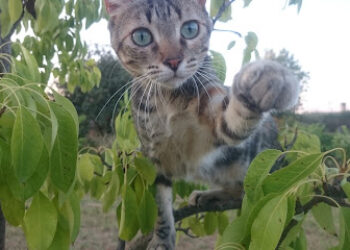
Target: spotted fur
<point>189,124</point>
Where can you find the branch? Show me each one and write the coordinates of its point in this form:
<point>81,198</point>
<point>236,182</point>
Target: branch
<point>223,7</point>
<point>212,206</point>
<point>232,31</point>
<point>108,166</point>
<point>140,243</point>
<point>186,231</point>
<point>335,193</point>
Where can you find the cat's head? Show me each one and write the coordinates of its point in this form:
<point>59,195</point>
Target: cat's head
<point>163,40</point>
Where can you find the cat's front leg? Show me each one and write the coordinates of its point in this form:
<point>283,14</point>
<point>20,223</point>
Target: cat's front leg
<point>259,87</point>
<point>164,232</point>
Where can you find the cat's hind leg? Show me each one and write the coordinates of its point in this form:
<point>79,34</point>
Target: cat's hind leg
<point>164,231</point>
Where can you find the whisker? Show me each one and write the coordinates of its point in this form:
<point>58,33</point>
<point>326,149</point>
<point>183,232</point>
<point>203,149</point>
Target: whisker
<point>118,91</point>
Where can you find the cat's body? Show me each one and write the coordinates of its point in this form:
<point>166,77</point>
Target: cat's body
<point>190,125</point>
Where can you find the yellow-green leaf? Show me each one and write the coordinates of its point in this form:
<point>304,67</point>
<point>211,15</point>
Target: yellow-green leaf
<point>26,144</point>
<point>129,223</point>
<point>146,169</point>
<point>210,223</point>
<point>147,213</point>
<point>40,223</point>
<point>268,225</point>
<point>64,154</point>
<point>15,10</point>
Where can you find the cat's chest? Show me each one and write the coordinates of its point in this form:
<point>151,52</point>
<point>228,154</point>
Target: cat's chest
<point>174,136</point>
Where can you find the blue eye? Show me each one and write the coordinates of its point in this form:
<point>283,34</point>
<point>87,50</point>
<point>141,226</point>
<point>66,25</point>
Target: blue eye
<point>190,29</point>
<point>142,37</point>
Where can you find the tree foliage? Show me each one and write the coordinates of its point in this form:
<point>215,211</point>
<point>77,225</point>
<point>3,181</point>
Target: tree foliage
<point>98,107</point>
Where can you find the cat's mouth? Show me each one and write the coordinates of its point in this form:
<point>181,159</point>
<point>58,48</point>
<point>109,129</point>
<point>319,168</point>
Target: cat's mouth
<point>172,82</point>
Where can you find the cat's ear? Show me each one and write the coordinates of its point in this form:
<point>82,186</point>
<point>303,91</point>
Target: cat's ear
<point>113,5</point>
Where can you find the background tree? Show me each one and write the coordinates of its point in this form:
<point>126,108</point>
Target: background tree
<point>287,59</point>
<point>98,107</point>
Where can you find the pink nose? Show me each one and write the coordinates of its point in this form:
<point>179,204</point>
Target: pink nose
<point>173,63</point>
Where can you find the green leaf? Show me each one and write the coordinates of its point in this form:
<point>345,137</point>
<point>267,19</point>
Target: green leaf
<point>210,223</point>
<point>15,10</point>
<point>283,179</point>
<point>268,225</point>
<point>257,172</point>
<point>231,45</point>
<point>75,205</point>
<point>344,221</point>
<point>147,213</point>
<point>32,65</point>
<point>129,223</point>
<point>34,183</point>
<point>64,154</point>
<point>251,39</point>
<point>13,211</point>
<point>68,106</point>
<point>5,19</point>
<point>126,136</point>
<point>247,2</point>
<point>146,169</point>
<point>196,226</point>
<point>40,223</point>
<point>26,144</point>
<point>324,217</point>
<point>222,222</point>
<point>61,240</point>
<point>219,65</point>
<point>235,232</point>
<point>346,187</point>
<point>85,167</point>
<point>110,194</point>
<point>215,7</point>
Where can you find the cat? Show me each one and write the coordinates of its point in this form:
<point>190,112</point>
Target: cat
<point>189,124</point>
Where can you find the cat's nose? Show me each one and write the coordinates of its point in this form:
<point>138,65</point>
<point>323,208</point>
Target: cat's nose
<point>173,63</point>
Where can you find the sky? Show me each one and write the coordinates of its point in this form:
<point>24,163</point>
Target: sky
<point>318,37</point>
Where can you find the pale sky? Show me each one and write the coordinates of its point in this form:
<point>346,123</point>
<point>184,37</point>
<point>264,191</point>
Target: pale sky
<point>319,38</point>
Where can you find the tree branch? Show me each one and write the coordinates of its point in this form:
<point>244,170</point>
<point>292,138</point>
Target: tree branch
<point>213,206</point>
<point>335,193</point>
<point>223,7</point>
<point>231,31</point>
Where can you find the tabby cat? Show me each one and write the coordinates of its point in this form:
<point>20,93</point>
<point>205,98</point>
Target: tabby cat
<point>189,124</point>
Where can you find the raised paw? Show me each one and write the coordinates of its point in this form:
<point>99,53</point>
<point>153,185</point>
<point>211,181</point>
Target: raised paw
<point>265,85</point>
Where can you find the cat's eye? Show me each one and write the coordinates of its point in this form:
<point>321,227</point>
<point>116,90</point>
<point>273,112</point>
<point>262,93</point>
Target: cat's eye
<point>142,37</point>
<point>190,29</point>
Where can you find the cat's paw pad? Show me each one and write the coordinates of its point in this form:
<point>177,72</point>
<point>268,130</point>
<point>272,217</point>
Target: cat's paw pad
<point>265,85</point>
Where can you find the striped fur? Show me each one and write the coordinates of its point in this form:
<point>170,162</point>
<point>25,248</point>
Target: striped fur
<point>189,124</point>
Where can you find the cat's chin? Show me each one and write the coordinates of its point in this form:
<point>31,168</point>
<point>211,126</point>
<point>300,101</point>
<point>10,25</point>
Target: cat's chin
<point>172,83</point>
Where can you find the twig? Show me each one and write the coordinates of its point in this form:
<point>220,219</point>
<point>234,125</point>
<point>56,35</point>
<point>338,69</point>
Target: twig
<point>214,206</point>
<point>336,195</point>
<point>186,231</point>
<point>108,166</point>
<point>223,7</point>
<point>232,31</point>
